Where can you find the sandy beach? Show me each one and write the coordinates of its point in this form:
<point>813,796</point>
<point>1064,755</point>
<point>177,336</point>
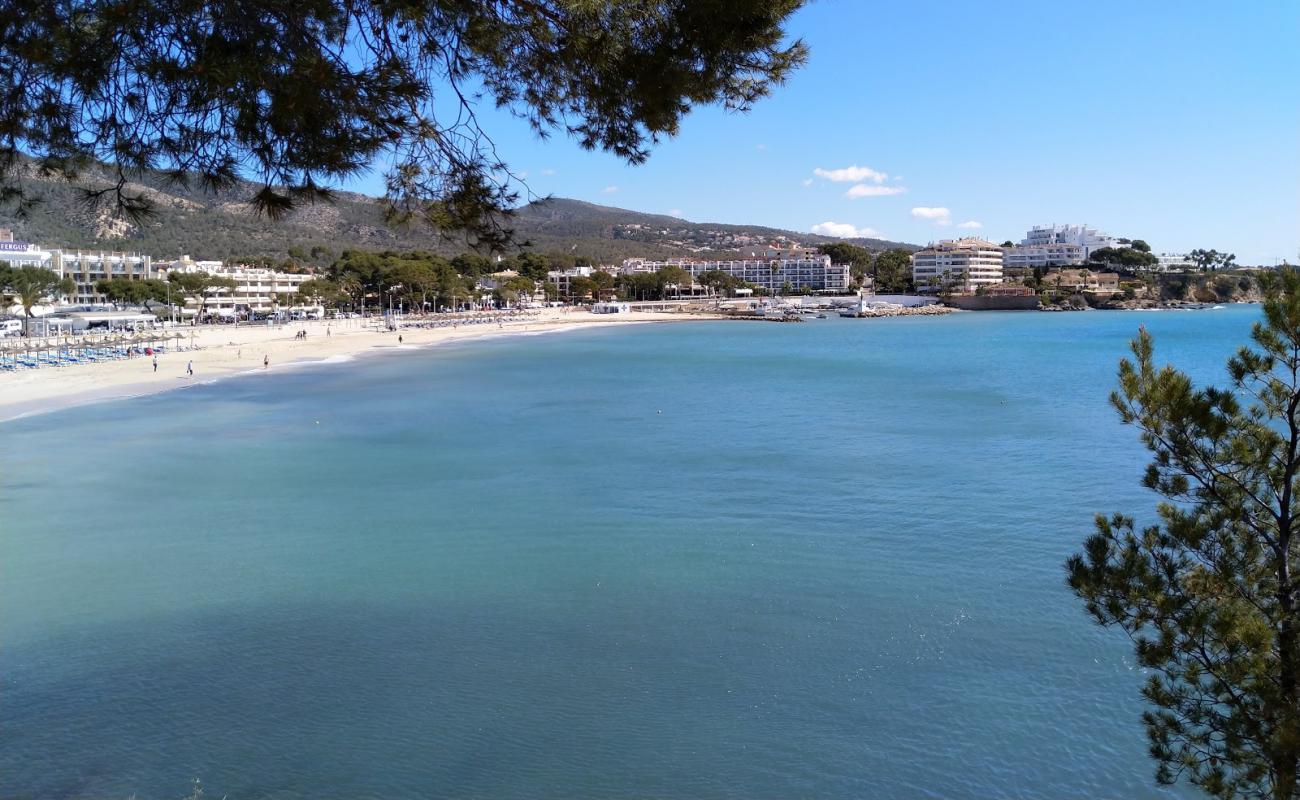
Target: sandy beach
<point>227,350</point>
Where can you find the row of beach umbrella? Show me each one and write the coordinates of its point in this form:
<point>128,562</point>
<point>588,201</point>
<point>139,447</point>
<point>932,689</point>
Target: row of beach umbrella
<point>57,351</point>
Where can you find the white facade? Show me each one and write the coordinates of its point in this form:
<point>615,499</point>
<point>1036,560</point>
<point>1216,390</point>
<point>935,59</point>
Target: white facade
<point>1173,262</point>
<point>772,273</point>
<point>562,279</point>
<point>1042,255</point>
<point>86,268</point>
<point>256,289</point>
<point>961,265</point>
<point>1089,239</point>
<point>261,291</point>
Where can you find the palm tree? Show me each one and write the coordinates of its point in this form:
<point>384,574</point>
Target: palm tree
<point>32,284</point>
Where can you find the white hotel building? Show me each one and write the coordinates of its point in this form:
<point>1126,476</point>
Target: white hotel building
<point>86,268</point>
<point>1043,255</point>
<point>959,265</point>
<point>1056,246</point>
<point>1173,262</point>
<point>1087,239</point>
<point>259,290</point>
<point>772,271</point>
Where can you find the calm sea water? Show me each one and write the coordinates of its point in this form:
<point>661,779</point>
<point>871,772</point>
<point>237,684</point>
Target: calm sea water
<point>678,561</point>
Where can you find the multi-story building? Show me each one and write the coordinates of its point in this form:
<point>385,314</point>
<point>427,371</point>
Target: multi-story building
<point>1088,239</point>
<point>957,265</point>
<point>1173,262</point>
<point>86,268</point>
<point>771,271</point>
<point>1042,255</point>
<point>562,279</point>
<point>260,291</point>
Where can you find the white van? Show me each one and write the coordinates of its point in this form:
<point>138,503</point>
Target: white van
<point>11,327</point>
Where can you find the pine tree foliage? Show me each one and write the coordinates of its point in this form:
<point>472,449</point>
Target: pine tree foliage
<point>1208,596</point>
<point>298,94</point>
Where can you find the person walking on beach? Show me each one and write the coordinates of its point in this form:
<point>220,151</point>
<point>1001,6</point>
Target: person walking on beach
<point>399,338</point>
<point>189,369</point>
<point>155,362</point>
<point>266,361</point>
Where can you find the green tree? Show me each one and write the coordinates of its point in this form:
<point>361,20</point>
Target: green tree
<point>534,266</point>
<point>893,271</point>
<point>521,286</point>
<point>719,282</point>
<point>118,291</point>
<point>199,286</point>
<point>1204,259</point>
<point>1140,246</point>
<point>472,265</point>
<point>580,287</point>
<point>604,283</point>
<point>152,290</point>
<point>672,280</point>
<point>33,284</point>
<point>299,95</point>
<point>320,292</point>
<point>1209,595</point>
<point>1123,258</point>
<point>858,258</point>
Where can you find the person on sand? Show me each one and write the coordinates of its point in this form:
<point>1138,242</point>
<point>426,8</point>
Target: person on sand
<point>155,363</point>
<point>266,361</point>
<point>399,338</point>
<point>189,369</point>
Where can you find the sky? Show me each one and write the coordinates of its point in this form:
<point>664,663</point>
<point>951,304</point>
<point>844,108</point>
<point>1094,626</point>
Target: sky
<point>1176,123</point>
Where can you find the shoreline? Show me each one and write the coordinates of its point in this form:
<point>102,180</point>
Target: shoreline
<point>227,352</point>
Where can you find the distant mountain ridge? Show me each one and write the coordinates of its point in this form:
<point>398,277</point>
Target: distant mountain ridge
<point>189,221</point>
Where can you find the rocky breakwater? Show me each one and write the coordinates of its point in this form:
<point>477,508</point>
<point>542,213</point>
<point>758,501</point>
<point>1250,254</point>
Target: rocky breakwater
<point>874,310</point>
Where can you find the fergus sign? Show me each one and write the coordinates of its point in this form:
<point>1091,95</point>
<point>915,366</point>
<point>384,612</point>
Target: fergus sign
<point>14,247</point>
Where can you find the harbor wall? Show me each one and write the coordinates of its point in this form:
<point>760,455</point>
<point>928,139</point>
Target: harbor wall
<point>977,303</point>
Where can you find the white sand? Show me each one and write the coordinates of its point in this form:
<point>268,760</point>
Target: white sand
<point>227,350</point>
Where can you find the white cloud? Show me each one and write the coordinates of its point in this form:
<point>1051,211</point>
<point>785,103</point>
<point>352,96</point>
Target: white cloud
<point>940,215</point>
<point>845,231</point>
<point>521,176</point>
<point>609,190</point>
<point>972,224</point>
<point>807,181</point>
<point>674,212</point>
<point>760,147</point>
<point>548,172</point>
<point>867,190</point>
<point>853,174</point>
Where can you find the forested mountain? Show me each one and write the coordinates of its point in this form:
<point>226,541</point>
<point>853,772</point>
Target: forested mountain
<point>186,220</point>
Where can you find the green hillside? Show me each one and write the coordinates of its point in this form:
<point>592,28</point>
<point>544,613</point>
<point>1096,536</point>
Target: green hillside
<point>188,221</point>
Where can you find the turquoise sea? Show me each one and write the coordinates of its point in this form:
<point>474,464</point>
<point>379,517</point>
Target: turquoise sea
<point>704,560</point>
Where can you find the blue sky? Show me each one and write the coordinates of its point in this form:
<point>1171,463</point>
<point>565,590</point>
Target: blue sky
<point>1172,122</point>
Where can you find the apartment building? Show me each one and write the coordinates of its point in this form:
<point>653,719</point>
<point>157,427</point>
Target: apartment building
<point>957,265</point>
<point>258,290</point>
<point>1087,239</point>
<point>86,268</point>
<point>1042,256</point>
<point>771,270</point>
